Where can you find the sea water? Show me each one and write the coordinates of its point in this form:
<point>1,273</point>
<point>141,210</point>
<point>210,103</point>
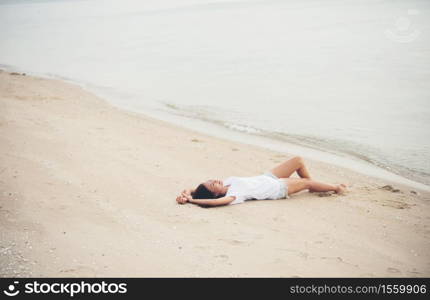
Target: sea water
<point>350,78</point>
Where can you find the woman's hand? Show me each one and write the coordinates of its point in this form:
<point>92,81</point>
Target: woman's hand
<point>183,198</point>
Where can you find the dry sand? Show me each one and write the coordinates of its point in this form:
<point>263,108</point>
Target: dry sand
<point>87,189</point>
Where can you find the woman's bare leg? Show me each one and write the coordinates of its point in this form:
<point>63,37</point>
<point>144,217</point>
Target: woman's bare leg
<point>296,185</point>
<point>287,168</point>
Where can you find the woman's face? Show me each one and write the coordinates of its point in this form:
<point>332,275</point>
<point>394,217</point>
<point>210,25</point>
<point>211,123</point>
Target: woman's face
<point>215,186</point>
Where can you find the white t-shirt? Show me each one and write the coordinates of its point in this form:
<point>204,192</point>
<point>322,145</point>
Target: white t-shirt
<point>255,187</point>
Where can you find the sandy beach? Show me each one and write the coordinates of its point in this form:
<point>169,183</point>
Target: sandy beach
<point>88,189</point>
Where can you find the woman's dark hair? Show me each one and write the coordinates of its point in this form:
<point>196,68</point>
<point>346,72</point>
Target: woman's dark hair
<point>202,192</point>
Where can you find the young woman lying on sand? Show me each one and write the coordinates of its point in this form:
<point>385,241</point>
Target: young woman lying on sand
<point>275,184</point>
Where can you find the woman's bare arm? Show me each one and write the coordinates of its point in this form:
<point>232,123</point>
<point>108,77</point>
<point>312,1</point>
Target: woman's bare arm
<point>212,202</point>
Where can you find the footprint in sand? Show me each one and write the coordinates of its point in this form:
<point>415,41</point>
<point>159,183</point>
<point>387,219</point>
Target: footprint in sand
<point>80,271</point>
<point>414,273</point>
<point>338,258</point>
<point>341,260</point>
<point>393,270</point>
<point>396,204</point>
<point>390,188</point>
<point>67,271</point>
<point>299,253</point>
<point>222,256</point>
<point>234,242</point>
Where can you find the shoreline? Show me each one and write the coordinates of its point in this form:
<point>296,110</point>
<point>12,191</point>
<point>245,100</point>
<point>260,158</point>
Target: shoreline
<point>88,189</point>
<point>209,128</point>
<point>350,163</point>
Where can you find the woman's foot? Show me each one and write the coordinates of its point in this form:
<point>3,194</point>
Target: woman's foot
<point>341,189</point>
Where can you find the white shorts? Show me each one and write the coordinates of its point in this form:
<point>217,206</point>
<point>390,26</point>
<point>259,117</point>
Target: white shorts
<point>283,187</point>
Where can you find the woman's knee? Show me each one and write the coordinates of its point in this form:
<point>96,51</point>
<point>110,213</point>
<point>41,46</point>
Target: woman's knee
<point>299,160</point>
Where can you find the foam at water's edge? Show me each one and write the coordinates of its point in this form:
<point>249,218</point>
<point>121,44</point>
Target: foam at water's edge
<point>315,143</point>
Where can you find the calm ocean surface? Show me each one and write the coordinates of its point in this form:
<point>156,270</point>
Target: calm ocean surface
<point>351,78</point>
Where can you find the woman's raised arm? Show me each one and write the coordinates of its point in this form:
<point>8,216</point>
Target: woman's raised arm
<point>212,202</point>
